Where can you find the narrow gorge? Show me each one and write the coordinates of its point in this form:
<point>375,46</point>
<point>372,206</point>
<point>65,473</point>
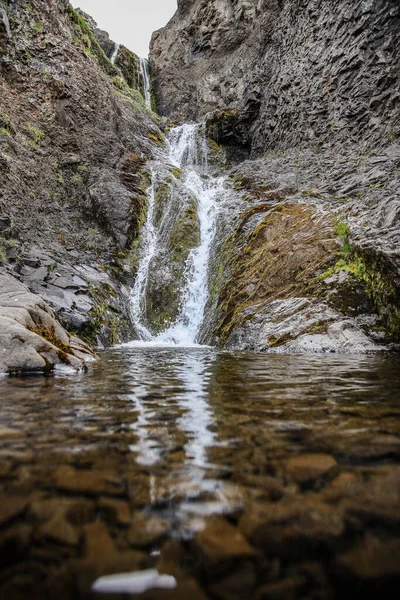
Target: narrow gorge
<point>200,303</point>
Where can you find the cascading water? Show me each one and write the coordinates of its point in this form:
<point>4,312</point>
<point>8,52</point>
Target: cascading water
<point>148,247</point>
<point>4,16</point>
<point>115,53</point>
<point>145,73</point>
<point>188,150</point>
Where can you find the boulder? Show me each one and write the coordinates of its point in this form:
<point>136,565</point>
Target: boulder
<point>31,339</point>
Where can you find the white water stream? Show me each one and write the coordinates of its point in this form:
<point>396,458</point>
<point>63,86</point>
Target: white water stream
<point>188,150</point>
<point>145,73</point>
<point>115,53</point>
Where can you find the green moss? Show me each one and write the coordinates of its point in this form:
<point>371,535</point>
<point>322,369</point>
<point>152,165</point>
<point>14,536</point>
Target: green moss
<point>51,336</point>
<point>342,230</point>
<point>217,155</point>
<point>185,235</point>
<point>6,124</point>
<point>129,65</point>
<point>177,173</point>
<point>84,35</point>
<point>377,278</point>
<point>36,134</point>
<point>157,137</point>
<point>38,27</point>
<point>132,96</point>
<point>278,259</point>
<point>163,301</point>
<point>104,314</point>
<point>76,180</point>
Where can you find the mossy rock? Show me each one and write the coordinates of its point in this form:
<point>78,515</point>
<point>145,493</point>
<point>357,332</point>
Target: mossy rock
<point>373,277</point>
<point>167,279</point>
<point>129,64</point>
<point>85,37</point>
<point>105,319</point>
<point>276,260</point>
<point>185,235</point>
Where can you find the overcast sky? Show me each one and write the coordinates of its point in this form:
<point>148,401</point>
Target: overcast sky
<point>129,22</point>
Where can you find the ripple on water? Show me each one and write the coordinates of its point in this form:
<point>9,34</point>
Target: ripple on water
<point>153,441</point>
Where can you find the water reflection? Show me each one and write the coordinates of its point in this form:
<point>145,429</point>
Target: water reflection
<point>152,440</point>
<point>174,423</point>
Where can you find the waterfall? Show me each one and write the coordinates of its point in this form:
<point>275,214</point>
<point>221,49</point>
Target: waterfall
<point>145,73</point>
<point>148,247</point>
<point>115,53</point>
<point>188,150</point>
<point>3,14</point>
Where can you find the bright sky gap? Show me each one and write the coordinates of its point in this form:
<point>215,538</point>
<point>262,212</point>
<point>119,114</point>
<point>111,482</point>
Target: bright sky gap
<point>129,22</point>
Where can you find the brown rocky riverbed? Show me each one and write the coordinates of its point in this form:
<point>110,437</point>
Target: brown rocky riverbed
<point>243,476</point>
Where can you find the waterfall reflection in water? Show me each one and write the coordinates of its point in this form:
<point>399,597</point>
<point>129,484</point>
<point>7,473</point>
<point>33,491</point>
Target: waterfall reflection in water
<point>170,394</point>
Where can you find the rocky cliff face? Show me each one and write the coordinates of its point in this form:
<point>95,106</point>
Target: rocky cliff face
<point>303,95</point>
<point>75,136</point>
<point>301,72</point>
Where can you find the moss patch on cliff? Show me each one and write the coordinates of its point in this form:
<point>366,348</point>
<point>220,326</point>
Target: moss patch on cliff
<point>106,321</point>
<point>164,291</point>
<point>85,36</point>
<point>376,278</point>
<point>185,235</point>
<point>278,259</point>
<point>129,66</point>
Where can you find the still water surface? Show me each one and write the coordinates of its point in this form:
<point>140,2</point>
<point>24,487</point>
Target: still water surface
<point>182,433</point>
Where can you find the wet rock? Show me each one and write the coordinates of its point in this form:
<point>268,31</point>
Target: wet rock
<point>290,529</point>
<point>288,589</point>
<point>188,588</point>
<point>102,558</point>
<point>374,564</point>
<point>74,512</point>
<point>58,530</point>
<point>91,483</point>
<point>308,467</point>
<point>175,559</point>
<point>8,433</point>
<point>220,542</point>
<point>14,543</point>
<point>5,468</point>
<point>11,507</point>
<point>239,583</point>
<point>31,339</point>
<point>116,511</point>
<point>146,530</point>
<point>285,319</point>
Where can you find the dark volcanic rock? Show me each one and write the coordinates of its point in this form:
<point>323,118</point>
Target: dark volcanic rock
<point>307,258</point>
<point>74,134</point>
<point>306,72</point>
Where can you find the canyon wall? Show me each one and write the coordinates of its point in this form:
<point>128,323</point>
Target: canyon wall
<point>304,97</point>
<point>75,136</point>
<point>301,72</point>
